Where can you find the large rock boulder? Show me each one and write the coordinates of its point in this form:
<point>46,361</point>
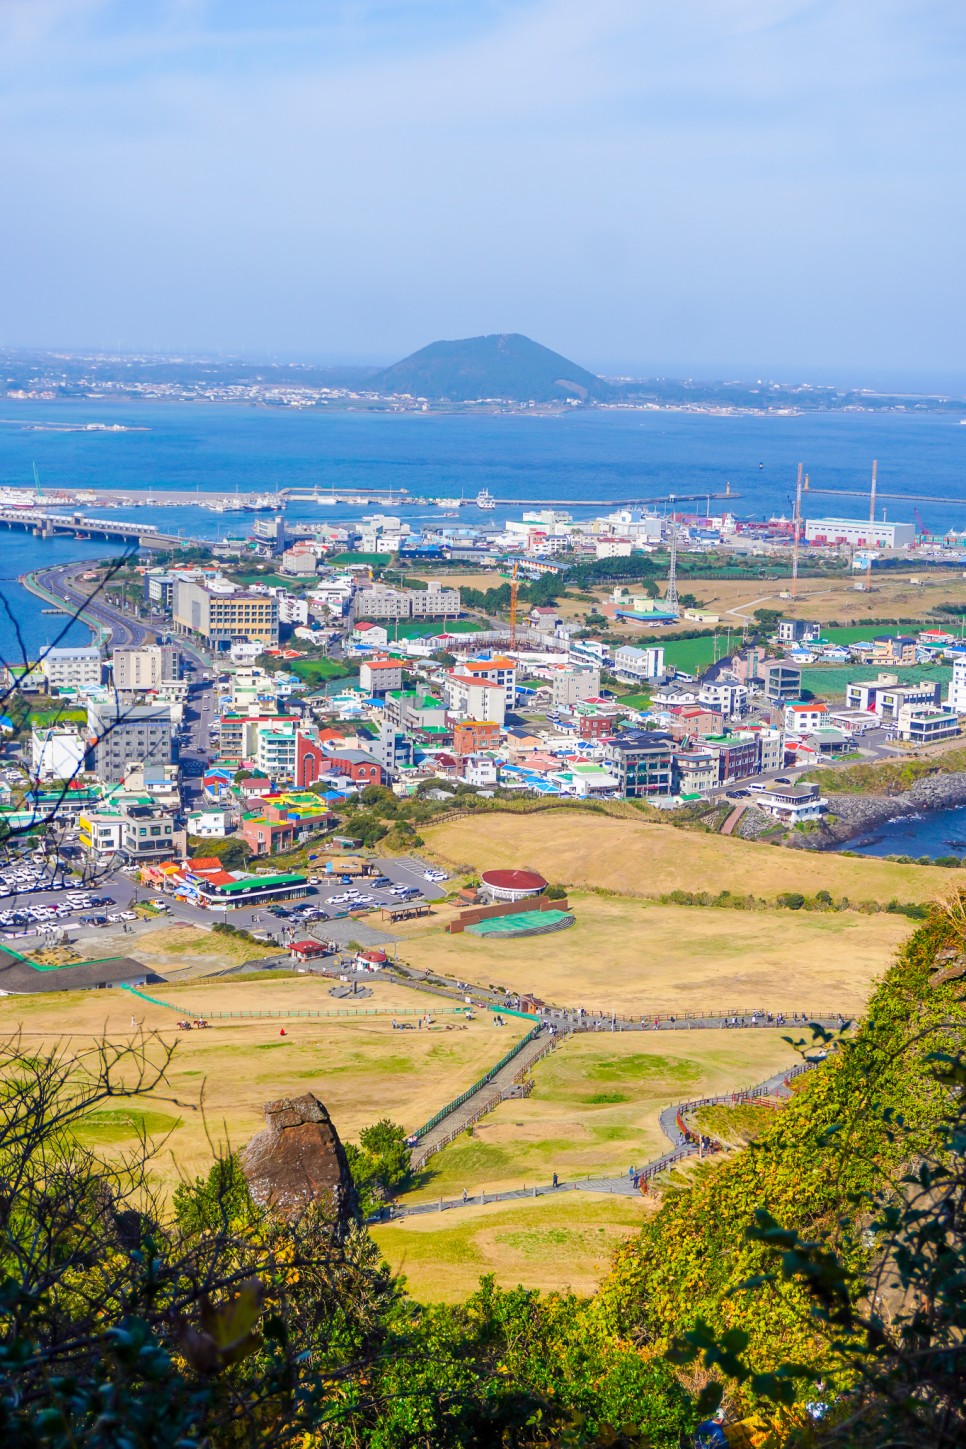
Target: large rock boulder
<point>298,1160</point>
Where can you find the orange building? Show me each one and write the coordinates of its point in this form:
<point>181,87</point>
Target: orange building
<point>470,736</point>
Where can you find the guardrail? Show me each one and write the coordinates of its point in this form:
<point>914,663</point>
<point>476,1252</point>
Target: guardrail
<point>283,1015</point>
<point>478,1086</point>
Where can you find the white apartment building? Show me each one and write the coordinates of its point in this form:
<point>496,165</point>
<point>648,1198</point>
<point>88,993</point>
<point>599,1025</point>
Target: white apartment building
<point>378,601</point>
<point>476,699</point>
<point>730,699</point>
<point>72,668</point>
<point>636,666</point>
<point>957,688</point>
<point>498,670</point>
<point>925,724</point>
<point>56,754</point>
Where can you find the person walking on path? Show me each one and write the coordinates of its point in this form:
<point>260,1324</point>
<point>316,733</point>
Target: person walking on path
<point>555,1180</point>
<point>465,1197</point>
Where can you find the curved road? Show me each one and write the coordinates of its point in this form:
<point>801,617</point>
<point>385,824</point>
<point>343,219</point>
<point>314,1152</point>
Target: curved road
<point>124,630</point>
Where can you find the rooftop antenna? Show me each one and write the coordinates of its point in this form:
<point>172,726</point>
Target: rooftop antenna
<point>671,593</point>
<point>796,531</point>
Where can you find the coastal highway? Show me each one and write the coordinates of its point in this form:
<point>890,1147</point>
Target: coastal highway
<point>62,581</point>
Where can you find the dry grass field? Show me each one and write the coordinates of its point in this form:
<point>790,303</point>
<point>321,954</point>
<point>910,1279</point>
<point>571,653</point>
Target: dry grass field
<point>638,958</point>
<point>549,1243</point>
<point>179,950</point>
<point>825,599</point>
<point>576,848</point>
<point>359,1067</point>
<point>595,1107</point>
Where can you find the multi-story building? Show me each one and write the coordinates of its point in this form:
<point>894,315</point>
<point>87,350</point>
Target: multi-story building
<point>379,601</point>
<point>792,804</point>
<point>695,772</point>
<point>56,753</point>
<point>471,736</point>
<point>378,676</point>
<point>301,558</point>
<point>889,703</point>
<point>862,693</point>
<point>276,753</point>
<point>570,685</point>
<point>924,724</point>
<point>803,717</point>
<point>475,699</point>
<point>798,631</point>
<point>217,616</point>
<point>782,681</point>
<point>957,687</point>
<point>120,735</point>
<point>146,667</point>
<point>641,760</point>
<point>727,698</point>
<point>894,649</point>
<point>636,666</point>
<point>737,756</point>
<point>498,669</point>
<point>72,668</point>
<point>133,826</point>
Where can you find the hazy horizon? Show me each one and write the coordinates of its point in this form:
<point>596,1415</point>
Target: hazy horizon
<point>646,190</point>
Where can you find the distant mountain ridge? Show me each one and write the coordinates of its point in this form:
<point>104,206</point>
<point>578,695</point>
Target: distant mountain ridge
<point>501,365</point>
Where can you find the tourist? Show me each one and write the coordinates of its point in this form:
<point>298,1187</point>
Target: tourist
<point>555,1180</point>
<point>465,1197</point>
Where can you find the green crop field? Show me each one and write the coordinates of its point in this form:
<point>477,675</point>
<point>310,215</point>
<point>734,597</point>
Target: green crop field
<point>313,671</point>
<point>830,680</point>
<point>691,655</point>
<point>428,629</point>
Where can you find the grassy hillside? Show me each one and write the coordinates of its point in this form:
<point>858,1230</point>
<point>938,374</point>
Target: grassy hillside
<point>634,857</point>
<point>829,1146</point>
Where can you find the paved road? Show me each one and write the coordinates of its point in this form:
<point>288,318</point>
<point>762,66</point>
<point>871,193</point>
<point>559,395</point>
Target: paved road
<point>124,629</point>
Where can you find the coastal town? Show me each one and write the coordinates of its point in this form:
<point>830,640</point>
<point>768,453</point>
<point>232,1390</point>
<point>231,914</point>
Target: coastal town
<point>292,657</point>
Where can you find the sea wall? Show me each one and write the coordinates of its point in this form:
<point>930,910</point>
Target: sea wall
<point>855,814</point>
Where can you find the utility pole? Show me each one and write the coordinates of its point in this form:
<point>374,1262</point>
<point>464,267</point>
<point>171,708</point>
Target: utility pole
<point>796,531</point>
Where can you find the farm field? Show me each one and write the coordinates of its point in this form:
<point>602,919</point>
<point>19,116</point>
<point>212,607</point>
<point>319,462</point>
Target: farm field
<point>829,681</point>
<point>637,957</point>
<point>548,1243</point>
<point>596,1104</point>
<point>359,1067</point>
<point>827,599</point>
<point>578,848</point>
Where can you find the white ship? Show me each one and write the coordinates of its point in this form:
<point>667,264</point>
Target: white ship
<point>485,500</point>
<point>447,502</point>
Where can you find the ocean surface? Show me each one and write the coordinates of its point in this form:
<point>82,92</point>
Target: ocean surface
<point>601,456</point>
<point>934,833</point>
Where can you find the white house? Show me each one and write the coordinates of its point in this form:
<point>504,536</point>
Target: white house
<point>56,754</point>
<point>803,717</point>
<point>637,665</point>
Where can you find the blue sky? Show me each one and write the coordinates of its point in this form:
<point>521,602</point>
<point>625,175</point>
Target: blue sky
<point>716,187</point>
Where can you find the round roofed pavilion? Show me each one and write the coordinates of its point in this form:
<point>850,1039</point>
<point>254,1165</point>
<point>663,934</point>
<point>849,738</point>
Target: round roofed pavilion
<point>512,885</point>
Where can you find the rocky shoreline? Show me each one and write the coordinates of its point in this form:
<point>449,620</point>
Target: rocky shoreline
<point>855,814</point>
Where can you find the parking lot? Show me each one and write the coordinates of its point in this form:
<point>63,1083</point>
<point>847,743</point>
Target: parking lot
<point>39,901</point>
<point>38,905</point>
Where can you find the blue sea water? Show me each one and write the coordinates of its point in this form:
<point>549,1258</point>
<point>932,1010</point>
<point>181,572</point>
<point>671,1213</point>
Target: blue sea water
<point>939,832</point>
<point>596,455</point>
